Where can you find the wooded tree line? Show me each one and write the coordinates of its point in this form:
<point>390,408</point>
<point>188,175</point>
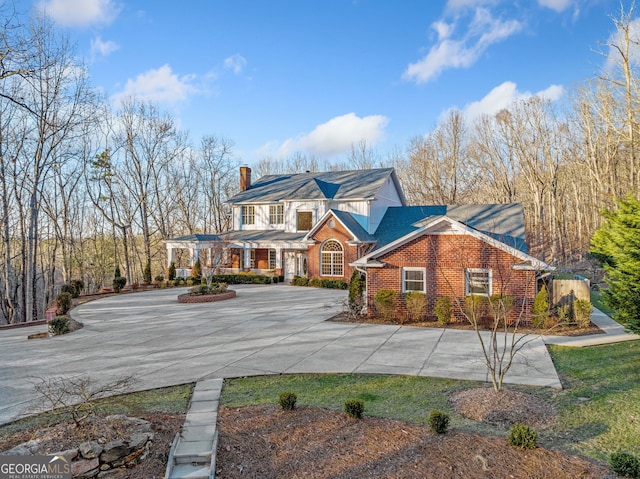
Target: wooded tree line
<point>85,186</point>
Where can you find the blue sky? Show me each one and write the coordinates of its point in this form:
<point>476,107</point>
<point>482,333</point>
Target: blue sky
<point>278,77</point>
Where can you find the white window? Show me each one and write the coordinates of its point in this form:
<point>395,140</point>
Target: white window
<point>276,214</point>
<point>248,215</point>
<point>331,259</point>
<point>478,281</point>
<point>272,259</point>
<point>414,279</point>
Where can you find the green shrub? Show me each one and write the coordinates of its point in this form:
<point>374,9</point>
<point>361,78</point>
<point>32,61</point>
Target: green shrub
<point>385,301</point>
<point>354,408</point>
<point>159,278</point>
<point>582,312</point>
<point>288,400</point>
<point>78,284</point>
<point>523,436</point>
<point>476,306</point>
<point>625,464</point>
<point>189,282</point>
<point>562,312</point>
<point>540,308</point>
<point>69,288</point>
<point>196,271</point>
<point>59,325</point>
<point>146,273</point>
<point>443,309</point>
<point>118,284</point>
<point>63,303</point>
<point>172,271</point>
<point>438,421</point>
<point>416,305</point>
<point>299,281</point>
<point>356,290</point>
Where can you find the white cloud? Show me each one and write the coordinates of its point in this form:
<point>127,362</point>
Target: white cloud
<point>557,5</point>
<point>335,136</point>
<point>617,38</point>
<point>161,85</point>
<point>236,63</point>
<point>102,48</point>
<point>482,32</point>
<point>79,12</point>
<point>503,96</point>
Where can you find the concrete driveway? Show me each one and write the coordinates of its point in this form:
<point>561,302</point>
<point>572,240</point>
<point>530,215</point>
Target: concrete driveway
<point>264,330</point>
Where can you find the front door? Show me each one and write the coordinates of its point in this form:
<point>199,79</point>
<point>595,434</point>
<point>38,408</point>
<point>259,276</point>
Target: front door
<point>302,265</point>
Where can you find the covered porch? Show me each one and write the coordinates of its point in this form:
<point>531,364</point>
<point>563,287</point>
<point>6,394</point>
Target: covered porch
<point>224,254</point>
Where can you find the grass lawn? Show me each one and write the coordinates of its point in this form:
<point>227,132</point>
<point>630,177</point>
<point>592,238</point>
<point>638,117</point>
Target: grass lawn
<point>598,302</point>
<point>598,411</point>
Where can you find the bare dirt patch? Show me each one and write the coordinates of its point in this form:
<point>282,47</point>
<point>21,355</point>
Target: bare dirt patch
<point>504,408</point>
<point>266,442</point>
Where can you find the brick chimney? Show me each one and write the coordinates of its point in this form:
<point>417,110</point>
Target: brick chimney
<point>245,178</point>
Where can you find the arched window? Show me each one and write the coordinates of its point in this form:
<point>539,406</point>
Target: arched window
<point>331,259</point>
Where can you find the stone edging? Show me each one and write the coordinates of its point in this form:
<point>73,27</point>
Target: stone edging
<point>206,298</point>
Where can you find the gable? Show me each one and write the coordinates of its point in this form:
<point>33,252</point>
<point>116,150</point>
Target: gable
<point>443,225</point>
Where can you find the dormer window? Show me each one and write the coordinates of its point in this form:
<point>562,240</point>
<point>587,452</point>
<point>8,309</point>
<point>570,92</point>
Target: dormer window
<point>276,214</point>
<point>248,215</point>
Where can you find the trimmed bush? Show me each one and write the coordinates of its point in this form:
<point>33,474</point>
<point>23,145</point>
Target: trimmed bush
<point>385,301</point>
<point>172,271</point>
<point>288,400</point>
<point>59,325</point>
<point>78,285</point>
<point>214,288</point>
<point>476,306</point>
<point>625,464</point>
<point>443,309</point>
<point>119,283</point>
<point>356,289</point>
<point>159,278</point>
<point>416,305</point>
<point>582,312</point>
<point>196,271</point>
<point>354,408</point>
<point>146,274</point>
<point>63,303</point>
<point>540,308</point>
<point>69,288</point>
<point>523,436</point>
<point>438,421</point>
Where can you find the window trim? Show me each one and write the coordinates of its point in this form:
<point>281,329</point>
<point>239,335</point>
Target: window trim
<point>404,279</point>
<point>248,212</point>
<point>272,258</point>
<point>333,264</point>
<point>276,212</point>
<point>467,281</point>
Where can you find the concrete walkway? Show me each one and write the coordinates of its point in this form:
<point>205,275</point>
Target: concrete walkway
<point>264,330</point>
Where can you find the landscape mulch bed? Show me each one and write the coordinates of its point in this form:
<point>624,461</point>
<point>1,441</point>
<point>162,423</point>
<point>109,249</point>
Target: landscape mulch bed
<point>564,330</point>
<point>266,442</point>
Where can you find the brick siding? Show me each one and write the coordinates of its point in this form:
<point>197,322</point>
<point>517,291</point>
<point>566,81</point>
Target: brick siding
<point>445,258</point>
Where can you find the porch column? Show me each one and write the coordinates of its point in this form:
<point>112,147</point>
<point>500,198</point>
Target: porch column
<point>170,256</point>
<point>246,250</point>
<point>278,258</point>
<point>195,254</point>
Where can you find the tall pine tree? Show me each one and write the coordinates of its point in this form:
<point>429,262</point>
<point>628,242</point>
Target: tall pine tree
<point>617,244</point>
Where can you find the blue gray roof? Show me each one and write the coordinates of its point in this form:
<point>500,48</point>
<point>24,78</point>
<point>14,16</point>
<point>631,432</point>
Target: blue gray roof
<point>352,225</point>
<point>198,238</point>
<point>330,185</point>
<point>262,236</point>
<point>504,222</point>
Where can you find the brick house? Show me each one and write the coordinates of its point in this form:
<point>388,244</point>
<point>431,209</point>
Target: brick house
<point>326,225</point>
